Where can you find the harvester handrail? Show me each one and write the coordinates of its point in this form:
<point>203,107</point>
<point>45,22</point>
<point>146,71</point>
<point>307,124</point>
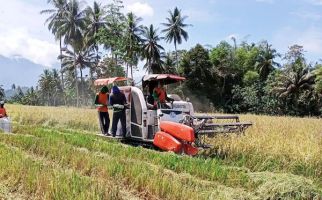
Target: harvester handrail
<point>231,124</point>
<point>216,117</point>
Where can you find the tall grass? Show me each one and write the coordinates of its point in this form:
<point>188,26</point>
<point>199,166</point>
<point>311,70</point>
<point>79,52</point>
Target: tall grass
<point>34,180</point>
<point>285,144</point>
<point>67,117</point>
<point>150,178</point>
<point>124,171</point>
<point>278,158</point>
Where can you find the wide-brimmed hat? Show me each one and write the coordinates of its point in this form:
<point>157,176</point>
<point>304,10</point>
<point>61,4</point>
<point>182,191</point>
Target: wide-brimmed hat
<point>1,102</point>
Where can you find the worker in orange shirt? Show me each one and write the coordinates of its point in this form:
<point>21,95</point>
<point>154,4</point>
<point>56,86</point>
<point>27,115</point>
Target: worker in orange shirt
<point>3,112</point>
<point>160,96</point>
<point>101,102</point>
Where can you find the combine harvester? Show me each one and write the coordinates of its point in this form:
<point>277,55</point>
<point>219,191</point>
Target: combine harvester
<point>175,129</point>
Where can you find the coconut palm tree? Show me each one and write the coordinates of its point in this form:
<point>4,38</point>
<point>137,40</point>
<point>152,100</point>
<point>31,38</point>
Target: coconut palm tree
<point>73,24</point>
<point>31,97</point>
<point>169,65</point>
<point>291,82</point>
<point>78,59</point>
<point>265,63</point>
<point>133,30</point>
<point>54,20</point>
<point>151,50</point>
<point>96,19</point>
<point>112,37</point>
<point>56,14</point>
<point>175,29</point>
<point>46,85</point>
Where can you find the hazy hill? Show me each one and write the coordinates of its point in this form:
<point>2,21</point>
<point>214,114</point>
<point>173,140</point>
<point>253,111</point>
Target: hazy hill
<point>18,71</point>
<point>10,93</point>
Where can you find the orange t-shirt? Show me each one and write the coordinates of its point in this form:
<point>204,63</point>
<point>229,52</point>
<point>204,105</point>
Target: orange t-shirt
<point>161,94</point>
<point>3,112</point>
<point>102,99</point>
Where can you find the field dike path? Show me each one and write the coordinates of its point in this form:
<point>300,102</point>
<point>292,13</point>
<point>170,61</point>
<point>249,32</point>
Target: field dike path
<point>70,151</point>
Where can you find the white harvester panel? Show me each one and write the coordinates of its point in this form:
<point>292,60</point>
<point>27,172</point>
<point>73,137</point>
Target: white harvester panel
<point>183,106</point>
<point>139,112</point>
<point>170,115</point>
<point>5,124</point>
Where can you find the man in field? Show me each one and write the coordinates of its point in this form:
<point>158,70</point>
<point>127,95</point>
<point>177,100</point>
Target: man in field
<point>118,101</point>
<point>3,112</point>
<point>5,123</point>
<point>101,102</point>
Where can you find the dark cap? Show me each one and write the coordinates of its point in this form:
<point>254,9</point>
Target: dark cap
<point>104,89</point>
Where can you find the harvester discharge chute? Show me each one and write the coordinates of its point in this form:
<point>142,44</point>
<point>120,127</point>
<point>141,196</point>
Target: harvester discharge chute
<point>175,128</point>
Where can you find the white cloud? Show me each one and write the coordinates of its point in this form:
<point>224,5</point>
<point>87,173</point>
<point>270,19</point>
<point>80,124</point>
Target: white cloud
<point>316,2</point>
<point>307,15</point>
<point>18,42</point>
<point>22,33</point>
<point>265,1</point>
<point>212,1</point>
<point>310,39</point>
<point>140,9</point>
<point>196,15</point>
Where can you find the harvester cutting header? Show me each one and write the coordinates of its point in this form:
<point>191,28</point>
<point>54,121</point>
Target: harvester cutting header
<point>156,118</point>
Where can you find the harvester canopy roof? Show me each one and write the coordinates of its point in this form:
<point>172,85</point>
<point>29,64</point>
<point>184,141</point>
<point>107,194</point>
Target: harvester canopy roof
<point>165,78</point>
<point>107,81</point>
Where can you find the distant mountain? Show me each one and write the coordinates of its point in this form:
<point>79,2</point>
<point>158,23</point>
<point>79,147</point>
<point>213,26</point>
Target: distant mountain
<point>10,93</point>
<point>18,71</point>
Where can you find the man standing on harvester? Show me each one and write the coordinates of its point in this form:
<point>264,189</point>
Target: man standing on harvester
<point>160,96</point>
<point>101,102</point>
<point>118,101</point>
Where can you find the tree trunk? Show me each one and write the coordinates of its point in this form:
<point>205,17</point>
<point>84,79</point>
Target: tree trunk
<point>223,89</point>
<point>82,84</point>
<point>76,83</point>
<point>61,70</point>
<point>131,71</point>
<point>127,70</point>
<point>175,48</point>
<point>48,98</point>
<point>131,57</point>
<point>96,66</point>
<point>61,63</point>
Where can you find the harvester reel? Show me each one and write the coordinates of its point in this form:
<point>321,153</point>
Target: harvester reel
<point>204,127</point>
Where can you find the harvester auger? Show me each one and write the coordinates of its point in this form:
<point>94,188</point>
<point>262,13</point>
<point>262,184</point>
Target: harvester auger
<point>175,128</point>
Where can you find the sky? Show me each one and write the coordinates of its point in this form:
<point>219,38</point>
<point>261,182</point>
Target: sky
<point>282,23</point>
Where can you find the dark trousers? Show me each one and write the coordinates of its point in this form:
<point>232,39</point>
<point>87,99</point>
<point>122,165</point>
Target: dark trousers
<point>119,116</point>
<point>104,119</point>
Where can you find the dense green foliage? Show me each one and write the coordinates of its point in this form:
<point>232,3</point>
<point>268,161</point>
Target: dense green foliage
<point>246,78</point>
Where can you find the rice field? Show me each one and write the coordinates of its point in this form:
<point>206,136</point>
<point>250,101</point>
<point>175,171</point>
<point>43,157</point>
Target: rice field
<point>54,153</point>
